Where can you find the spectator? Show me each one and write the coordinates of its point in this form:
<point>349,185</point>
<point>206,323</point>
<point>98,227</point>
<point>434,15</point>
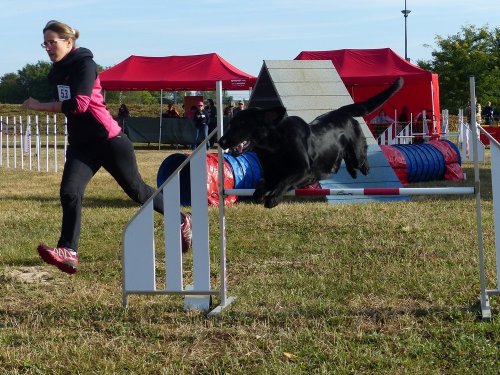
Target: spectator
<point>191,112</point>
<point>240,107</point>
<point>228,111</point>
<point>468,112</point>
<point>123,112</point>
<point>423,126</point>
<point>488,114</point>
<point>211,112</point>
<point>201,124</point>
<point>381,118</point>
<point>404,116</point>
<point>171,112</point>
<point>478,113</point>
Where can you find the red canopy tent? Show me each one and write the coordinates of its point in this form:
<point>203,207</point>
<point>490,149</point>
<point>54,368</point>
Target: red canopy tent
<point>175,73</point>
<point>366,72</point>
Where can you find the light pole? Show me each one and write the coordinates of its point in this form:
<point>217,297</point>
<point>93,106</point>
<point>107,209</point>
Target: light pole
<point>405,14</point>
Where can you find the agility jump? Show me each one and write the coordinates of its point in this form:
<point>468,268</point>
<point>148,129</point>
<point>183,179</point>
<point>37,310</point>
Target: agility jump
<point>139,264</point>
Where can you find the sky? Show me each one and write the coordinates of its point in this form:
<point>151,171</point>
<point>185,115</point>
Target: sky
<point>243,32</point>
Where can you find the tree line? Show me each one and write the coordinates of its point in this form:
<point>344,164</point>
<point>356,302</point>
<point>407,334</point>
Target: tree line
<point>31,80</point>
<point>472,51</point>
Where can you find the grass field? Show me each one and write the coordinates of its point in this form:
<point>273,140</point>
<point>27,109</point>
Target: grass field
<point>378,288</point>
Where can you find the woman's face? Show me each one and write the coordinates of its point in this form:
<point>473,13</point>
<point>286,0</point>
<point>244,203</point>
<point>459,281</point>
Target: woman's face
<point>56,47</point>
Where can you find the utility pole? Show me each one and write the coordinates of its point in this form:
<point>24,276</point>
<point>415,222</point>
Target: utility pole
<point>405,14</point>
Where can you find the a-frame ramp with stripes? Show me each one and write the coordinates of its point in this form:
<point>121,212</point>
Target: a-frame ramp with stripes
<point>309,88</point>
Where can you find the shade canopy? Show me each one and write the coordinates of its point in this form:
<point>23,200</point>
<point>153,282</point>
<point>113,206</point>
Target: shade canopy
<point>366,72</point>
<point>175,73</point>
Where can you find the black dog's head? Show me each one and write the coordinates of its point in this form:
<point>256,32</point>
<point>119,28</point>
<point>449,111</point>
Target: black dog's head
<point>250,127</point>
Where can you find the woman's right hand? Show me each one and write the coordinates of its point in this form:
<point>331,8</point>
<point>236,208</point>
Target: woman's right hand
<point>31,103</point>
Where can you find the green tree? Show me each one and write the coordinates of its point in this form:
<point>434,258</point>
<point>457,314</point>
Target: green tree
<point>34,80</point>
<point>11,89</point>
<point>474,51</point>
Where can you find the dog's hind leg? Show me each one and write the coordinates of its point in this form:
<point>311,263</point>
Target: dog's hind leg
<point>336,164</point>
<point>356,161</point>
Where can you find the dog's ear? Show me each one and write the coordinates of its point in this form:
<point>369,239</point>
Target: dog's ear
<point>274,115</point>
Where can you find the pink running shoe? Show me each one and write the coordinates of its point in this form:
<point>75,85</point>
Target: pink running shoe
<point>186,233</point>
<point>63,258</point>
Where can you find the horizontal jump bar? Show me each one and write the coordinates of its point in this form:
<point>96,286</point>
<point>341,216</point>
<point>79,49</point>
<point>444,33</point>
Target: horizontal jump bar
<point>364,191</point>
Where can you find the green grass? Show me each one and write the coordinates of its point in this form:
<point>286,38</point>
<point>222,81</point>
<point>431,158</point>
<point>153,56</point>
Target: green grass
<point>386,288</point>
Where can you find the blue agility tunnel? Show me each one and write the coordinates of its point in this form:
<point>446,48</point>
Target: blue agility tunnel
<point>240,172</point>
<point>167,167</point>
<point>246,170</point>
<point>434,160</point>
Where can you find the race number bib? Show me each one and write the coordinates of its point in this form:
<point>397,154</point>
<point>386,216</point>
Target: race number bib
<point>64,92</point>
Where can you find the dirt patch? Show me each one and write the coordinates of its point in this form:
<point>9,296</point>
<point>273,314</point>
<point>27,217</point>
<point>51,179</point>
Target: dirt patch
<point>27,275</point>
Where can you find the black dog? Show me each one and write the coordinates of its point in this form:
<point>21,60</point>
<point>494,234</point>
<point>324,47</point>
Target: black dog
<point>293,153</point>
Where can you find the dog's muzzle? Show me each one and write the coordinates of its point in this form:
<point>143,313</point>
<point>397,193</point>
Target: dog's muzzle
<point>235,150</point>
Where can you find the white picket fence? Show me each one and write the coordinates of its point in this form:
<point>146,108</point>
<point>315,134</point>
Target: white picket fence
<point>405,134</point>
<point>39,144</point>
<point>32,143</point>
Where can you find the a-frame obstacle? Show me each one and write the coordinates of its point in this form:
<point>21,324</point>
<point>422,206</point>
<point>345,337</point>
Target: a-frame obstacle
<point>310,88</point>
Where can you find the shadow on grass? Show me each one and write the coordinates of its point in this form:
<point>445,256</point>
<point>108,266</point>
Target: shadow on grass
<point>382,315</point>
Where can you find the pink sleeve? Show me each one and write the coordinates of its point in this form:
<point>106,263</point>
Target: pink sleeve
<point>82,104</point>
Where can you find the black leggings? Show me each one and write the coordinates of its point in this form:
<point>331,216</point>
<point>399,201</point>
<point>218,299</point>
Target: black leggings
<point>117,156</point>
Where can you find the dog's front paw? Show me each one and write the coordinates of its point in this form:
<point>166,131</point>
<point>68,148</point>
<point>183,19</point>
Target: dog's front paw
<point>271,201</point>
<point>258,195</point>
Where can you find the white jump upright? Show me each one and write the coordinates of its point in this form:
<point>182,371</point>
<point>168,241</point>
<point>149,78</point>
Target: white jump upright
<point>475,190</point>
<point>495,181</point>
<point>495,187</point>
<point>139,248</point>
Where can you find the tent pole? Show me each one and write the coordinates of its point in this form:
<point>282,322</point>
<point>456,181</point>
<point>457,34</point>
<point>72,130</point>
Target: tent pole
<point>161,112</point>
<point>434,124</point>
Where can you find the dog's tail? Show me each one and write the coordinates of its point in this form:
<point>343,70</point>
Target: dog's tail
<point>370,105</point>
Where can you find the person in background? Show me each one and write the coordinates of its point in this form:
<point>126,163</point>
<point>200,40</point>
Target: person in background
<point>468,112</point>
<point>228,111</point>
<point>404,116</point>
<point>200,120</point>
<point>95,140</point>
<point>123,112</point>
<point>478,113</point>
<point>381,122</point>
<point>171,112</point>
<point>423,126</point>
<point>488,114</point>
<point>381,118</point>
<point>191,112</point>
<point>240,107</point>
<point>211,112</point>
